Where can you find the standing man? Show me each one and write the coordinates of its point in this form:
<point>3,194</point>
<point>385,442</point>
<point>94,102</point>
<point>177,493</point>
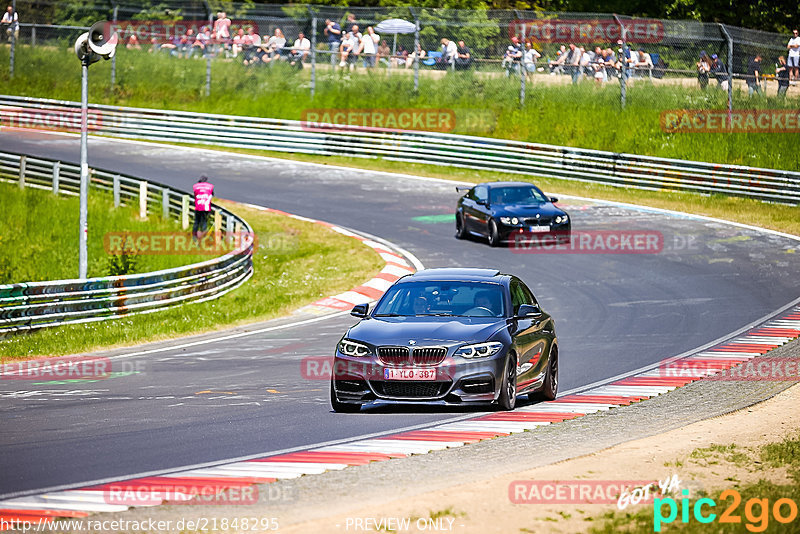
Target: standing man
<point>203,193</point>
<point>333,32</point>
<point>793,61</point>
<point>754,76</point>
<point>10,23</point>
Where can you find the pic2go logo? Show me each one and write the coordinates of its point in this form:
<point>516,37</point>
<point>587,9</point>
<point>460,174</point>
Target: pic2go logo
<point>756,511</point>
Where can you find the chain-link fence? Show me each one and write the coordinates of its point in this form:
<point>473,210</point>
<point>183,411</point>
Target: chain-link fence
<point>405,56</point>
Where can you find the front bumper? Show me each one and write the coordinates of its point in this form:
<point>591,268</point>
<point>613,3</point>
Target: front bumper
<point>458,381</point>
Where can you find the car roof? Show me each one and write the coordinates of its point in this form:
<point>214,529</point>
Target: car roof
<point>494,185</point>
<point>465,274</point>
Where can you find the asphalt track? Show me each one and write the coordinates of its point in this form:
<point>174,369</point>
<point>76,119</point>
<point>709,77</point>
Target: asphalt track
<point>614,313</point>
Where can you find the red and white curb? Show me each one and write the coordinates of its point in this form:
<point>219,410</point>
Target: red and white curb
<point>187,485</point>
<point>396,266</point>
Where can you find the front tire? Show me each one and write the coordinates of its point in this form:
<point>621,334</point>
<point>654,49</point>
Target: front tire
<point>508,389</point>
<point>461,231</point>
<point>494,234</point>
<point>550,387</point>
<point>342,407</point>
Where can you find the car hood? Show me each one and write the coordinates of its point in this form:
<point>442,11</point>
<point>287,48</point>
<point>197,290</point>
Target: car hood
<point>425,330</point>
<point>526,210</point>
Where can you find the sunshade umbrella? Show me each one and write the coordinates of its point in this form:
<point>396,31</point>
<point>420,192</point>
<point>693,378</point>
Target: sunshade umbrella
<point>395,26</point>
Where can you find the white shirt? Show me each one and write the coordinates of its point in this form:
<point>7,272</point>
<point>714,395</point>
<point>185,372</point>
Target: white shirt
<point>452,49</point>
<point>794,52</point>
<point>303,44</point>
<point>7,20</point>
<point>531,56</point>
<point>369,43</point>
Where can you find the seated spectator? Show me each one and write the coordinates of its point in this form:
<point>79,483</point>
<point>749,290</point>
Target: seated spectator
<point>400,57</point>
<point>384,53</point>
<point>463,56</point>
<point>643,63</point>
<point>417,55</point>
<point>529,58</point>
<point>186,42</point>
<point>238,43</point>
<point>133,43</point>
<point>274,46</point>
<point>252,50</point>
<point>348,50</point>
<point>200,42</point>
<point>782,74</point>
<point>368,47</point>
<point>703,69</point>
<point>449,53</point>
<point>512,57</point>
<point>300,51</point>
<point>557,65</point>
<point>720,72</point>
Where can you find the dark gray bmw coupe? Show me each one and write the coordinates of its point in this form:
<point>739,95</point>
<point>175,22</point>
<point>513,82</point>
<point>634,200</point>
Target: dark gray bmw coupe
<point>448,336</point>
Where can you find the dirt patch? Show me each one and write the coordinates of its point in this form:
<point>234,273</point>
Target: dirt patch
<point>714,454</point>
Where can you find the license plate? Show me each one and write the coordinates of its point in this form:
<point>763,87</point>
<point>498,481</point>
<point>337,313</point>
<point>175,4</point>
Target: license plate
<point>409,374</point>
<point>539,229</point>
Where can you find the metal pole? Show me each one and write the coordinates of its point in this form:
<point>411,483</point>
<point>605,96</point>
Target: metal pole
<point>730,73</point>
<point>416,50</point>
<point>313,52</point>
<point>13,38</point>
<point>522,76</point>
<point>208,56</point>
<point>114,59</point>
<point>83,260</point>
<point>623,78</point>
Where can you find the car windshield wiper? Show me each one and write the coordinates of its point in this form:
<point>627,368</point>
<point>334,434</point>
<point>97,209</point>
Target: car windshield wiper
<point>389,315</point>
<point>435,315</point>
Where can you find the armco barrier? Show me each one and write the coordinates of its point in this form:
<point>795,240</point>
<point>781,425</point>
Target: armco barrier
<point>31,305</point>
<point>626,170</point>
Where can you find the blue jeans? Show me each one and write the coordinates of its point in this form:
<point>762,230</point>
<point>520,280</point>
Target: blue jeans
<point>334,48</point>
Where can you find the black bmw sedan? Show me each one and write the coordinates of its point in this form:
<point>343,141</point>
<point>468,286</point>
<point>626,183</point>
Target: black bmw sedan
<point>448,336</point>
<point>504,211</point>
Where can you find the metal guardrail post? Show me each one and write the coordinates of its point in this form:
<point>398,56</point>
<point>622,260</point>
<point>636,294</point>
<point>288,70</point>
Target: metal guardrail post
<point>115,186</point>
<point>142,200</point>
<point>23,163</point>
<point>217,228</point>
<point>185,212</point>
<point>165,203</point>
<point>229,225</point>
<point>56,176</point>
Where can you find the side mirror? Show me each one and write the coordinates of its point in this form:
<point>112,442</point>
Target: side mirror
<point>553,199</point>
<point>528,310</point>
<point>360,310</point>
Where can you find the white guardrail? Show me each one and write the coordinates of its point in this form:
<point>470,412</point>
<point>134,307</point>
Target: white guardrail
<point>32,305</point>
<point>616,169</point>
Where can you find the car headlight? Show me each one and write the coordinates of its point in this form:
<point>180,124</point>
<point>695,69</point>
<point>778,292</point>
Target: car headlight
<point>561,219</point>
<point>351,348</point>
<point>510,221</point>
<point>480,350</point>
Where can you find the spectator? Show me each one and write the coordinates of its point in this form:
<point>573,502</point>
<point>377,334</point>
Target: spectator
<point>417,55</point>
<point>644,63</point>
<point>222,27</point>
<point>598,66</point>
<point>186,42</point>
<point>449,53</point>
<point>133,43</point>
<point>274,46</point>
<point>10,24</point>
<point>203,193</point>
<point>384,53</point>
<point>300,51</point>
<point>572,62</point>
<point>333,34</point>
<point>529,59</point>
<point>703,68</point>
<point>349,49</point>
<point>586,62</point>
<point>252,50</point>
<point>463,56</point>
<point>611,64</point>
<point>368,47</point>
<point>351,25</point>
<point>401,56</point>
<point>513,57</point>
<point>557,65</point>
<point>794,57</point>
<point>754,75</point>
<point>202,42</point>
<point>782,73</point>
<point>239,41</point>
<point>627,59</point>
<point>720,72</point>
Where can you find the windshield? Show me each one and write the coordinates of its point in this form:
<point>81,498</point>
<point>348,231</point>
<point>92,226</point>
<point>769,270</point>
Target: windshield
<point>516,195</point>
<point>437,298</point>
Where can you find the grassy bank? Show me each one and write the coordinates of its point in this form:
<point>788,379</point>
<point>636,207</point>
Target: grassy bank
<point>296,263</point>
<point>583,116</point>
<point>39,236</point>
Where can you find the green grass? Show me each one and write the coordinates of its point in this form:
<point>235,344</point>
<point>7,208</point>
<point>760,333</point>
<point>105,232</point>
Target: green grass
<point>39,236</point>
<point>304,265</point>
<point>583,116</point>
